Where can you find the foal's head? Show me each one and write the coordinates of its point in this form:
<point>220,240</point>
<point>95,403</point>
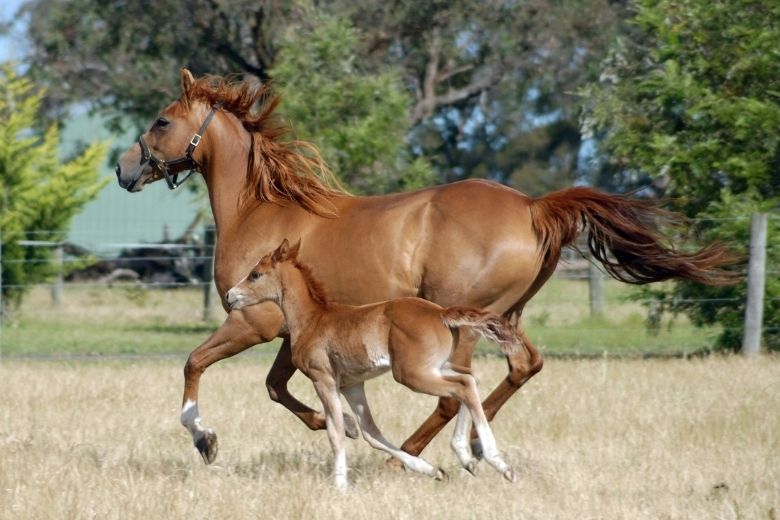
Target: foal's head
<point>263,282</point>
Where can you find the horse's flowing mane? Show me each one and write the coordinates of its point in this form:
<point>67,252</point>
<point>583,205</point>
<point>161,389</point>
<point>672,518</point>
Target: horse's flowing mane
<point>280,170</point>
<point>316,289</point>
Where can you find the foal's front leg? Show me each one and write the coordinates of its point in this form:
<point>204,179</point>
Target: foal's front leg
<point>356,397</point>
<point>276,383</point>
<point>327,391</point>
<point>241,330</point>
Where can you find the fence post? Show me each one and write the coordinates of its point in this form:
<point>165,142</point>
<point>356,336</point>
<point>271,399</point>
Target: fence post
<point>56,287</point>
<point>209,239</point>
<point>754,306</point>
<point>595,289</point>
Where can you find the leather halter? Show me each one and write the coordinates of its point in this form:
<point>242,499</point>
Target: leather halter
<point>171,169</point>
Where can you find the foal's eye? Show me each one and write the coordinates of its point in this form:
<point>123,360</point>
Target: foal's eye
<point>161,122</point>
<point>254,275</point>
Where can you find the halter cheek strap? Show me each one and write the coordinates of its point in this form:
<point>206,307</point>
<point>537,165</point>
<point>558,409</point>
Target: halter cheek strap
<point>171,169</point>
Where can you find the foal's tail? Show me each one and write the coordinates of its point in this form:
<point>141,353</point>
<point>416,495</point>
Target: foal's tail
<point>490,325</point>
<point>623,236</point>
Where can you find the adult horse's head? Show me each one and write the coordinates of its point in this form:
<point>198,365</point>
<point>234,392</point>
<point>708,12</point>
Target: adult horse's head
<point>171,145</point>
<point>275,167</point>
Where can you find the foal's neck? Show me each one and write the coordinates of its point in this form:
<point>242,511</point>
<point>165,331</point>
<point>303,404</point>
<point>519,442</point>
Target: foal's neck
<point>299,307</point>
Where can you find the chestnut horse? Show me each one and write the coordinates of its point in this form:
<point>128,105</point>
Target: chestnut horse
<point>339,347</point>
<point>474,243</point>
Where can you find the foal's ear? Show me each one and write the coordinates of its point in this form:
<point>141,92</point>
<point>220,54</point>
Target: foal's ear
<point>280,253</point>
<point>187,79</point>
<point>292,252</point>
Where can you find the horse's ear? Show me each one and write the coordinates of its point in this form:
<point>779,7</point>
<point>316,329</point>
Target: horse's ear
<point>280,253</point>
<point>187,80</point>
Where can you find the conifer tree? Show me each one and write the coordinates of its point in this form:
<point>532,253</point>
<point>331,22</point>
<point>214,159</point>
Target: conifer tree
<point>39,192</point>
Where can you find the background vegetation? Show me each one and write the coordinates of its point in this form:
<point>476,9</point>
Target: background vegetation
<point>38,190</point>
<point>678,99</point>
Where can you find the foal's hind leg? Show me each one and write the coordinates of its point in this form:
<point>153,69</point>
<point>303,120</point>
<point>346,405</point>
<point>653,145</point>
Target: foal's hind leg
<point>241,330</point>
<point>447,407</point>
<point>356,397</point>
<point>462,387</point>
<point>460,441</point>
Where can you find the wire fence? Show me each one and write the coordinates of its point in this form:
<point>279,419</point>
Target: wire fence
<point>150,298</point>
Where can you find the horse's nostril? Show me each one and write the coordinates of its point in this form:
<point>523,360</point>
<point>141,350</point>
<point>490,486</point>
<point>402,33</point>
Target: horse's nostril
<point>118,169</point>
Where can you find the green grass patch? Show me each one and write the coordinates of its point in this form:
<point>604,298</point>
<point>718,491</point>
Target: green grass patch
<point>131,320</point>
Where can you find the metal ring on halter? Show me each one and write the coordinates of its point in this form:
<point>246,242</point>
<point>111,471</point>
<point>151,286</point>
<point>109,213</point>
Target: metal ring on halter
<point>181,163</point>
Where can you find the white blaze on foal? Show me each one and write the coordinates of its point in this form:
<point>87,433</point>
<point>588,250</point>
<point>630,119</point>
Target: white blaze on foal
<point>340,346</point>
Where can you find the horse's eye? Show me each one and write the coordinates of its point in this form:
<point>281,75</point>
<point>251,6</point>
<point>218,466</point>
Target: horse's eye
<point>161,122</point>
<point>255,275</point>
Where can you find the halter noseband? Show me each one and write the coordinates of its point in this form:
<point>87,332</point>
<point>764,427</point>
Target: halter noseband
<point>171,169</point>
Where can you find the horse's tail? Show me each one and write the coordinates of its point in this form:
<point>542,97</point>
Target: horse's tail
<point>623,235</point>
<point>488,324</point>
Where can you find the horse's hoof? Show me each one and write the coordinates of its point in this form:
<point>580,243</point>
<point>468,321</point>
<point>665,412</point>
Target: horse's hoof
<point>509,474</point>
<point>395,464</point>
<point>441,475</point>
<point>471,467</point>
<point>476,449</point>
<point>350,427</point>
<point>207,446</point>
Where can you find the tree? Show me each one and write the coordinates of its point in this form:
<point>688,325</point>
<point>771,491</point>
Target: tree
<point>491,84</point>
<point>691,96</point>
<point>39,193</point>
<point>357,117</point>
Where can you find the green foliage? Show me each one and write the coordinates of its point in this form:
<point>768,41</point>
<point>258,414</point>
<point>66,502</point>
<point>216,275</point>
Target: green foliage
<point>692,97</point>
<point>490,86</point>
<point>358,118</point>
<point>38,191</point>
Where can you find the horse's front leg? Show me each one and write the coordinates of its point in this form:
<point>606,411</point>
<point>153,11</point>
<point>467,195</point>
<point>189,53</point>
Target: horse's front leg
<point>241,330</point>
<point>276,383</point>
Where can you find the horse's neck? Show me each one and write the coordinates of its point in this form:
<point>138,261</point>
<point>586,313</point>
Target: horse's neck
<point>226,174</point>
<point>299,308</point>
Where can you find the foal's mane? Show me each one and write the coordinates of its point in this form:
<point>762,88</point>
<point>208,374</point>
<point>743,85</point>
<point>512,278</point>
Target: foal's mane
<point>316,289</point>
<point>280,169</point>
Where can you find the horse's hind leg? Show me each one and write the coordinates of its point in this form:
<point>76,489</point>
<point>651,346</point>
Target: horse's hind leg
<point>236,334</point>
<point>356,397</point>
<point>522,366</point>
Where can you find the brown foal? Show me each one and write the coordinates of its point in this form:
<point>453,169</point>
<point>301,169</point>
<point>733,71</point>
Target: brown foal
<point>339,347</point>
<point>473,243</point>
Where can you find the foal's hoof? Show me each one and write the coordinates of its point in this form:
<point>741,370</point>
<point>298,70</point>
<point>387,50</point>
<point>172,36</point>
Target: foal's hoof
<point>207,446</point>
<point>471,467</point>
<point>509,474</point>
<point>350,427</point>
<point>441,475</point>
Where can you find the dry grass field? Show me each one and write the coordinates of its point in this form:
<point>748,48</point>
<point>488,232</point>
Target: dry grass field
<point>589,439</point>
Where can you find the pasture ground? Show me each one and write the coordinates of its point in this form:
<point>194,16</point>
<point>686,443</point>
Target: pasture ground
<point>589,439</point>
